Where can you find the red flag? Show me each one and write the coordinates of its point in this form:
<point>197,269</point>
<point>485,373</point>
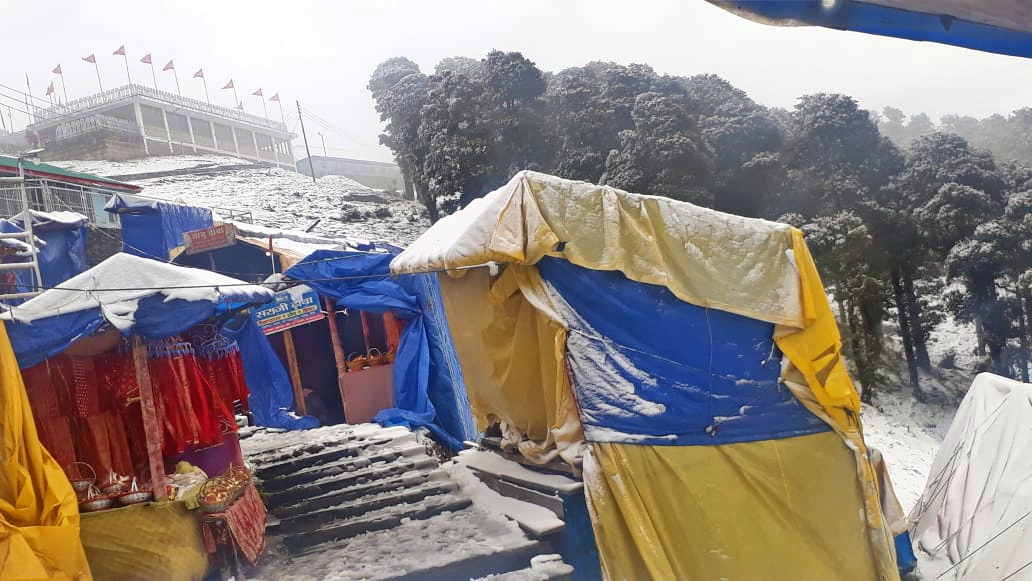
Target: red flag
<point>50,89</point>
<point>57,70</point>
<point>120,51</point>
<point>199,74</point>
<point>274,97</point>
<point>90,59</point>
<point>229,85</point>
<point>168,67</point>
<point>146,59</point>
<point>258,93</point>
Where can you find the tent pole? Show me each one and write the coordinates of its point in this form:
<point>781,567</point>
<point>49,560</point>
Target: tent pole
<point>295,372</point>
<point>152,430</point>
<point>338,350</point>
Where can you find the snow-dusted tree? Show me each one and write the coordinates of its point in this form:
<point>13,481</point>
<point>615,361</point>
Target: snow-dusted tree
<point>744,138</point>
<point>664,154</point>
<point>457,139</point>
<point>399,90</point>
<point>589,107</point>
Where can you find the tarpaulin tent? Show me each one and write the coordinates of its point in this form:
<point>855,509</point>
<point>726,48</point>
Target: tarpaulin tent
<point>1003,27</point>
<point>155,300</point>
<point>428,384</point>
<point>39,513</point>
<point>974,520</point>
<point>60,247</point>
<point>689,356</point>
<point>154,229</point>
<point>135,295</point>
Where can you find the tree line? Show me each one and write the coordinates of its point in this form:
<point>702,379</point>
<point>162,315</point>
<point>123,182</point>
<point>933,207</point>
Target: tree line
<point>903,233</point>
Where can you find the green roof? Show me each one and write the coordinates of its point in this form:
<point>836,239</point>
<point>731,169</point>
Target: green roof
<point>11,163</point>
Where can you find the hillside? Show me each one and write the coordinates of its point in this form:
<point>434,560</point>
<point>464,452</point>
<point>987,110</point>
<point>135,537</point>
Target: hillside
<point>275,197</point>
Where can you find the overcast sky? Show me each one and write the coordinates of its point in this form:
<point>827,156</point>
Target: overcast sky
<point>322,52</point>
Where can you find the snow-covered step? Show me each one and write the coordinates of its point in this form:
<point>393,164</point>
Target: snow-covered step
<point>356,492</point>
<point>337,477</point>
<point>353,461</point>
<point>308,521</point>
<point>387,516</point>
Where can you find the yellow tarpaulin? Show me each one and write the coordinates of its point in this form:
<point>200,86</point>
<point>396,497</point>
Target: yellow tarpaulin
<point>775,509</point>
<point>158,541</point>
<point>39,514</point>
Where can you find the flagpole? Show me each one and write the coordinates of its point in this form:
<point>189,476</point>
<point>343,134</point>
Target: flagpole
<point>96,67</point>
<point>28,108</point>
<point>64,87</point>
<point>205,82</point>
<point>236,100</point>
<point>127,75</point>
<point>154,77</point>
<point>176,76</point>
<point>282,117</point>
<point>264,106</point>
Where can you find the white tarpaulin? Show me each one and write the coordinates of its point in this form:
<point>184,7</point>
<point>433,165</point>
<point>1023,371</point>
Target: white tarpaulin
<point>974,520</point>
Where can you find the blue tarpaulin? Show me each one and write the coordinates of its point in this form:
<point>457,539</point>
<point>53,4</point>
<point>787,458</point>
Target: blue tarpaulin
<point>635,382</point>
<point>428,386</point>
<point>985,25</point>
<point>151,228</point>
<point>62,253</point>
<point>271,392</point>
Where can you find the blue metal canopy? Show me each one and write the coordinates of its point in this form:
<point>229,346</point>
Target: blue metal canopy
<point>997,26</point>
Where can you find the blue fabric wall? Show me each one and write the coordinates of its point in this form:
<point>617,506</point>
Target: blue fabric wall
<point>428,390</point>
<point>649,368</point>
<point>62,257</point>
<point>151,228</point>
<point>271,392</point>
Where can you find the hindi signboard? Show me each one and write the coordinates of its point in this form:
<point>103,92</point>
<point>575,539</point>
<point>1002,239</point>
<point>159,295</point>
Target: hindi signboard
<point>218,236</point>
<point>295,306</point>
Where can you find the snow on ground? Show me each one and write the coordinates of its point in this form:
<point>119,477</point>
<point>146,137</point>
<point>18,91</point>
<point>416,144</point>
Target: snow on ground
<point>276,197</point>
<point>908,425</point>
<point>412,546</point>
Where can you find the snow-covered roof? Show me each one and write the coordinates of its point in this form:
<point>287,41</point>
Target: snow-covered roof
<point>118,284</point>
<point>59,219</point>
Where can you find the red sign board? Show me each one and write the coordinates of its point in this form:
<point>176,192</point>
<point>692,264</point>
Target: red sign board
<point>220,236</point>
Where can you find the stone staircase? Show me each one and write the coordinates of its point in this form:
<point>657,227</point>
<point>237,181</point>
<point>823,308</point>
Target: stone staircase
<point>332,491</point>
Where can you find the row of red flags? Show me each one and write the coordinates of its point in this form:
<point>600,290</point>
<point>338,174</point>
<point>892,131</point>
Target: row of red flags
<point>170,65</point>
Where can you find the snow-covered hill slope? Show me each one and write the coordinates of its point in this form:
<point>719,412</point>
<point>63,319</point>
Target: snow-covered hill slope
<point>275,197</point>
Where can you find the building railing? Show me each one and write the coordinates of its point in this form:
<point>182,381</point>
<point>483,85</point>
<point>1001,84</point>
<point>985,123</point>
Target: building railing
<point>56,112</point>
<point>93,123</point>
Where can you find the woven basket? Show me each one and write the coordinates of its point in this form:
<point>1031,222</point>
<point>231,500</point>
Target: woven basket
<point>81,485</point>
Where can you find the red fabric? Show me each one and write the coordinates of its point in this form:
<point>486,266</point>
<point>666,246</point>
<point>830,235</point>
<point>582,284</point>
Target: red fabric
<point>55,433</point>
<point>246,521</point>
<point>227,375</point>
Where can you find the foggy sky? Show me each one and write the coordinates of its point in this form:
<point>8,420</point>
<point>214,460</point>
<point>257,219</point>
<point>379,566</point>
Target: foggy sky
<point>322,53</point>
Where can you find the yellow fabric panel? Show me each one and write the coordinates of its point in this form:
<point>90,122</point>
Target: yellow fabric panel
<point>149,542</point>
<point>39,514</point>
<point>817,376</point>
<point>513,361</point>
<point>707,258</point>
<point>768,510</point>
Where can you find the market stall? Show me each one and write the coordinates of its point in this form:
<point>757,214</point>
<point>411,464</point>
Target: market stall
<point>133,386</point>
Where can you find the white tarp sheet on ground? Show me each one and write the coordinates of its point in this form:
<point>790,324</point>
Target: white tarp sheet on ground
<point>974,520</point>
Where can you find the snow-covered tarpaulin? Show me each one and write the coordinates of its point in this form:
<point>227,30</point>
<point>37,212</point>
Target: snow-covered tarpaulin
<point>153,228</point>
<point>974,520</point>
<point>998,26</point>
<point>133,294</point>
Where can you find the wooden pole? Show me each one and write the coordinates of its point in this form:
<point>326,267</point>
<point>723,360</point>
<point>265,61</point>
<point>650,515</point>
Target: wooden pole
<point>338,350</point>
<point>365,330</point>
<point>152,431</point>
<point>295,372</point>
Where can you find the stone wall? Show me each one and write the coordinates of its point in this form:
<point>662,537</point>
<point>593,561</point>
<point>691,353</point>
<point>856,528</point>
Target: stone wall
<point>104,144</point>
